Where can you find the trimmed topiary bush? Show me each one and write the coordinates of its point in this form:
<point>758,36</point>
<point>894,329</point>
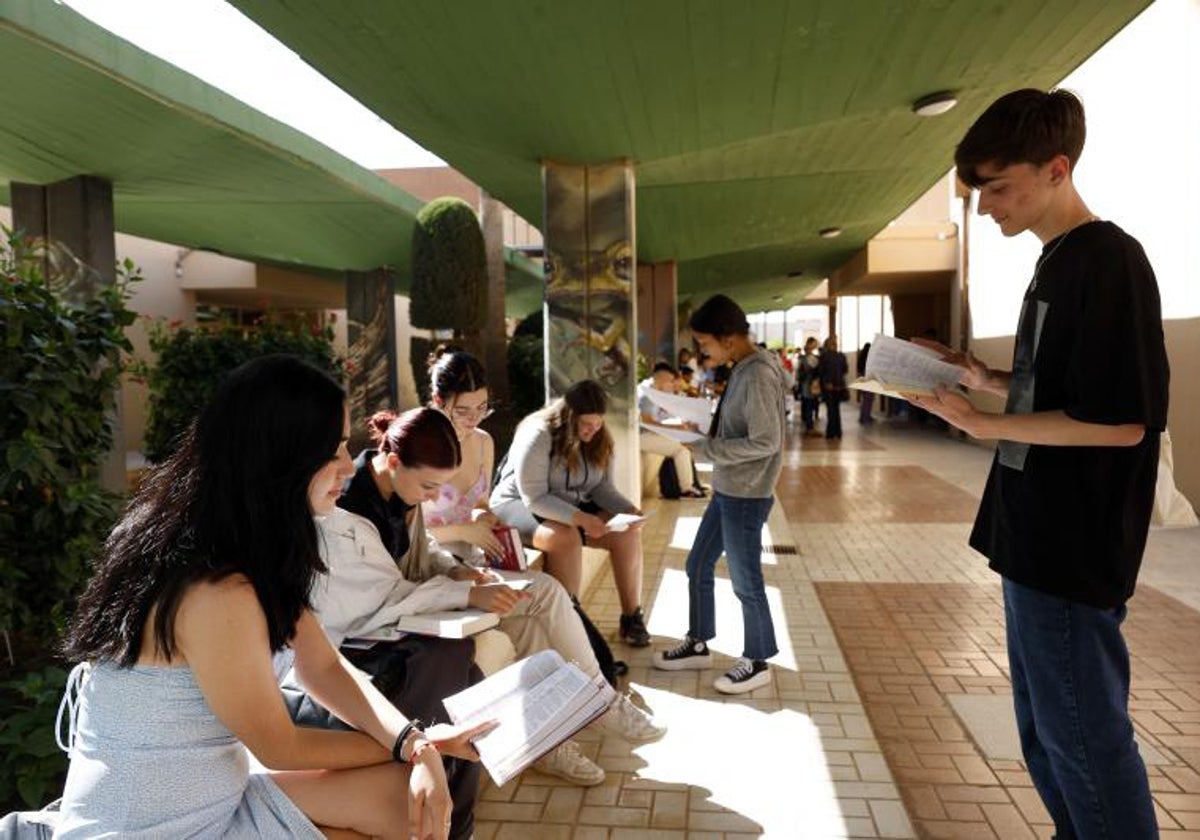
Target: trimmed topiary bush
<point>449,268</point>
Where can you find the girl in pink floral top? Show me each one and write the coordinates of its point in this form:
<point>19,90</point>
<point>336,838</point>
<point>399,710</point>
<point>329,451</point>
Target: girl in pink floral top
<point>459,517</point>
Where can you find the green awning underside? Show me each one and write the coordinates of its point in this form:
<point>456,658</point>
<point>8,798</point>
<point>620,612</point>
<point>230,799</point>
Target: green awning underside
<point>751,125</point>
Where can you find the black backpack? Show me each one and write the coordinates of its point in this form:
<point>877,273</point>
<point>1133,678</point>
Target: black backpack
<point>668,480</point>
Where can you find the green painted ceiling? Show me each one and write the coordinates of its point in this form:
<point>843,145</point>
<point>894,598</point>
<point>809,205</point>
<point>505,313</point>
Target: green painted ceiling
<point>752,125</point>
<point>189,164</point>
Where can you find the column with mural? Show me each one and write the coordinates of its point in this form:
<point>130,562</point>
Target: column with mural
<point>590,294</point>
<point>371,354</point>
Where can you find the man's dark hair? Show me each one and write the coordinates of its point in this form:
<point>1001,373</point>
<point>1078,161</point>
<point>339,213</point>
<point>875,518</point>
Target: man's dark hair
<point>719,316</point>
<point>1025,126</point>
<point>664,366</point>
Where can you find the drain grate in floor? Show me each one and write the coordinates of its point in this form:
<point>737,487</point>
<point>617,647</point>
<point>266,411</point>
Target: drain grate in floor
<point>780,549</point>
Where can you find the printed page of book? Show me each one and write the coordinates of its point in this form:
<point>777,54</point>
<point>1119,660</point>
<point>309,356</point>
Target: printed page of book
<point>535,700</point>
<point>697,410</point>
<point>898,366</point>
<point>675,433</point>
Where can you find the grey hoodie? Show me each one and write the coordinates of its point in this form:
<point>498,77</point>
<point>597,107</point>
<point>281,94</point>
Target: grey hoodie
<point>747,452</point>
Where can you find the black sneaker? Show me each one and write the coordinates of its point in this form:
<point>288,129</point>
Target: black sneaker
<point>689,654</point>
<point>633,629</point>
<point>745,675</point>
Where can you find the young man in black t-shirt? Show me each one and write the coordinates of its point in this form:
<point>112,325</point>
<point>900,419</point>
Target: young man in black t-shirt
<point>1067,504</point>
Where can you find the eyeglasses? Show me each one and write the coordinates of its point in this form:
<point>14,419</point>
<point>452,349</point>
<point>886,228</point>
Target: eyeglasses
<point>466,412</point>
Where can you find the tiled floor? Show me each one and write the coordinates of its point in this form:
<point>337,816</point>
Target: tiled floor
<point>886,621</point>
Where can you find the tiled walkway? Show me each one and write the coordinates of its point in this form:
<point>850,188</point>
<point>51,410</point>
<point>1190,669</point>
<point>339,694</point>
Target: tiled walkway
<point>888,715</point>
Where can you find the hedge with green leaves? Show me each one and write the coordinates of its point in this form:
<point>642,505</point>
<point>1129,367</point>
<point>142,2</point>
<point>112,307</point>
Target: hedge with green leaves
<point>449,268</point>
<point>60,364</point>
<point>190,362</point>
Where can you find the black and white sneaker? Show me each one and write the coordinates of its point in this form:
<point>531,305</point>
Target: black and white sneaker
<point>745,675</point>
<point>689,654</point>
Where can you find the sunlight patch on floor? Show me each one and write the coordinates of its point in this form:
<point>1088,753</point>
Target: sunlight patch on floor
<point>669,617</point>
<point>686,527</point>
<point>768,767</point>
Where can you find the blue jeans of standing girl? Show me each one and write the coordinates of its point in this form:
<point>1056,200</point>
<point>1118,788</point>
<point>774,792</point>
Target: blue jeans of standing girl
<point>734,526</point>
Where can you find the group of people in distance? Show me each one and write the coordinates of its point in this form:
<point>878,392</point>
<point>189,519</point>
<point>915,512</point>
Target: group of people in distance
<point>244,561</point>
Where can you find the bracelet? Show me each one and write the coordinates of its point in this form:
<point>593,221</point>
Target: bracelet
<point>413,727</point>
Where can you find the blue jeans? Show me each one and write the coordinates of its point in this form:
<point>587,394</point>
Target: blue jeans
<point>734,526</point>
<point>1070,678</point>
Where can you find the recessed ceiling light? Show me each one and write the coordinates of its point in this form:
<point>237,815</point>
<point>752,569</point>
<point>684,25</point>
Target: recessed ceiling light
<point>776,297</point>
<point>829,232</point>
<point>795,273</point>
<point>935,103</point>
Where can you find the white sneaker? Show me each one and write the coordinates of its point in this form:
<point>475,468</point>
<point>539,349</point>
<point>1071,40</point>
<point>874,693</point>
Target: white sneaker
<point>627,721</point>
<point>567,762</point>
<point>745,675</point>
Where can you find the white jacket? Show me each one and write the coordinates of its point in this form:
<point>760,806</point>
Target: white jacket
<point>364,591</point>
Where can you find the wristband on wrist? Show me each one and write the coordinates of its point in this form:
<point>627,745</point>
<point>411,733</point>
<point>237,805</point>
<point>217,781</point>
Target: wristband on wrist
<point>410,731</point>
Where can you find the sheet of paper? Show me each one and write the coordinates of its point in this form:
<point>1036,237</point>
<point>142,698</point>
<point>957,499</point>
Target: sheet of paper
<point>696,410</point>
<point>622,521</point>
<point>675,433</point>
<point>898,365</point>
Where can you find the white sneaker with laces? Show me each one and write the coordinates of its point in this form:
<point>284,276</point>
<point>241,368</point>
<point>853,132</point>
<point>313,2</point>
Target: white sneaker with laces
<point>745,675</point>
<point>627,721</point>
<point>566,761</point>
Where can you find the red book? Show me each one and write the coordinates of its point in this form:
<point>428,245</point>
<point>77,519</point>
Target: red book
<point>512,556</point>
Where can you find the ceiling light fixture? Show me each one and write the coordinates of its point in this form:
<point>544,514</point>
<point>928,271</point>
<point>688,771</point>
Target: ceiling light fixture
<point>935,103</point>
<point>829,232</point>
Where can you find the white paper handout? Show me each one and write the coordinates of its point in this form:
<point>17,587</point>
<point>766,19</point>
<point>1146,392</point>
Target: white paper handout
<point>622,521</point>
<point>674,433</point>
<point>695,410</point>
<point>896,367</point>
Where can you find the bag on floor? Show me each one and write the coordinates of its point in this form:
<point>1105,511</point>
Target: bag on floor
<point>668,480</point>
<point>603,653</point>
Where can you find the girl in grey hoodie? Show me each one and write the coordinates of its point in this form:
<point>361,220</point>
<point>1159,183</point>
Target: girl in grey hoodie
<point>745,447</point>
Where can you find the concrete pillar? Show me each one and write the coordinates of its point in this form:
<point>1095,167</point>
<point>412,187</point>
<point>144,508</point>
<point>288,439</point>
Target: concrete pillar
<point>371,353</point>
<point>495,336</point>
<point>77,214</point>
<point>591,322</point>
<point>656,311</point>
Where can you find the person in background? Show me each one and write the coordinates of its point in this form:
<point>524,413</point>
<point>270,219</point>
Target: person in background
<point>832,371</point>
<point>665,379</point>
<point>809,382</point>
<point>745,447</point>
<point>556,488</point>
<point>1067,504</point>
<point>866,399</point>
<point>199,601</point>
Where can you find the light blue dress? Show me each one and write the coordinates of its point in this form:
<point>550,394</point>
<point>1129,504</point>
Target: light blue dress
<point>149,759</point>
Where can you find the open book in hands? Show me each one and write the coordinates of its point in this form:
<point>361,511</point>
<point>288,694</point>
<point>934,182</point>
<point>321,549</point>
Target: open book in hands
<point>539,702</point>
<point>896,367</point>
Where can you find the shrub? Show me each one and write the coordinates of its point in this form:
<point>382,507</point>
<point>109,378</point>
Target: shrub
<point>526,366</point>
<point>449,268</point>
<point>61,359</point>
<point>190,363</point>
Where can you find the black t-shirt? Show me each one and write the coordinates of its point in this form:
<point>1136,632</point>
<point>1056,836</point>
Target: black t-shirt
<point>362,496</point>
<point>1072,520</point>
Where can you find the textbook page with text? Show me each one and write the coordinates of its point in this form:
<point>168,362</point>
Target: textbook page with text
<point>538,702</point>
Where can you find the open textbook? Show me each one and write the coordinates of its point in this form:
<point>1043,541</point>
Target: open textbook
<point>539,702</point>
<point>896,367</point>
